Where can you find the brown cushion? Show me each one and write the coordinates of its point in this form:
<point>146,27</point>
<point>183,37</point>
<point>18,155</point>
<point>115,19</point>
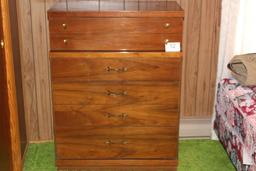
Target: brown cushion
<point>243,68</point>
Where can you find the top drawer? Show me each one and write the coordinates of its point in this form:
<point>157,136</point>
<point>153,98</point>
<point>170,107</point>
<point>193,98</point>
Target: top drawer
<point>114,34</point>
<point>115,25</point>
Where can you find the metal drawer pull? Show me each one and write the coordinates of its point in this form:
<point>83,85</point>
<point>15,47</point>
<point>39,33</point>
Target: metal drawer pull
<point>111,93</point>
<point>167,25</point>
<point>65,41</point>
<point>110,69</point>
<point>110,142</point>
<point>122,116</point>
<point>2,44</point>
<point>64,26</point>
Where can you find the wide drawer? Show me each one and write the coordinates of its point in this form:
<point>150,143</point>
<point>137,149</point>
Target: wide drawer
<point>116,143</point>
<point>115,25</point>
<point>132,67</point>
<point>113,115</point>
<point>104,93</point>
<point>112,41</point>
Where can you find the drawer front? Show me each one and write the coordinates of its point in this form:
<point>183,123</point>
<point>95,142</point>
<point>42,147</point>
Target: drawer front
<point>116,93</point>
<point>112,42</point>
<point>116,69</point>
<point>115,25</point>
<point>121,115</point>
<point>116,143</point>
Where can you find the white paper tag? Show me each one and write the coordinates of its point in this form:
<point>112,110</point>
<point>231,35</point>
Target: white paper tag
<point>172,47</point>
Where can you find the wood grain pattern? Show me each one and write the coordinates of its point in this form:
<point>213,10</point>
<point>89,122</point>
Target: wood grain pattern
<point>113,8</point>
<point>169,55</point>
<point>185,7</point>
<point>116,93</point>
<point>191,62</point>
<point>194,11</point>
<point>28,68</point>
<point>18,75</point>
<point>120,14</point>
<point>48,5</point>
<point>142,42</point>
<point>10,156</point>
<point>116,142</point>
<point>202,20</point>
<point>169,165</point>
<point>42,77</point>
<point>112,115</point>
<point>203,84</point>
<point>114,25</point>
<point>124,148</point>
<point>5,137</point>
<point>214,53</point>
<point>102,82</point>
<point>116,68</point>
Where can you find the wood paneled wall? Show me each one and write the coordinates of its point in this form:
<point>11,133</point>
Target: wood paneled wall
<point>201,35</point>
<point>201,40</point>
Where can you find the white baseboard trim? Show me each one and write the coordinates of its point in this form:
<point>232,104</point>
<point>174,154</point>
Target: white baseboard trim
<point>195,128</point>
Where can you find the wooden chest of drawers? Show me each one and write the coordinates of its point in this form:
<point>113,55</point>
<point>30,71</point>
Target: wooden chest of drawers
<point>115,90</point>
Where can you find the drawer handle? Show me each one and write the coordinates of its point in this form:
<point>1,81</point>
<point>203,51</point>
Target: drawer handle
<point>65,41</point>
<point>110,142</point>
<point>2,44</point>
<point>110,69</point>
<point>167,25</point>
<point>64,26</point>
<point>111,93</point>
<point>122,116</point>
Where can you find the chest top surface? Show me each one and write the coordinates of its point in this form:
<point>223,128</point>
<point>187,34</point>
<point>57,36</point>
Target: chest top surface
<point>117,8</point>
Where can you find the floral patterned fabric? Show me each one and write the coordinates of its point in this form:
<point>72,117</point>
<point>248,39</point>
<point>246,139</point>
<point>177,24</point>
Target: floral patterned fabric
<point>235,123</point>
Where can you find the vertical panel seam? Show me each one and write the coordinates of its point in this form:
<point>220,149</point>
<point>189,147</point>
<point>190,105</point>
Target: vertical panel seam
<point>216,50</point>
<point>32,35</point>
<point>198,52</point>
<point>49,72</point>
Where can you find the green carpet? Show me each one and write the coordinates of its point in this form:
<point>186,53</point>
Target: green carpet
<point>194,155</point>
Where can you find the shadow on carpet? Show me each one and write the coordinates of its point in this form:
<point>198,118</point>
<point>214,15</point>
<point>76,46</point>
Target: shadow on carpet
<point>194,155</point>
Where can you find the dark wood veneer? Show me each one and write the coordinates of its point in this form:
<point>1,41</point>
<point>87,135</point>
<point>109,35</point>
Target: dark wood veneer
<point>104,93</point>
<point>115,25</point>
<point>155,68</point>
<point>115,90</point>
<point>112,41</point>
<point>12,123</point>
<point>116,115</point>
